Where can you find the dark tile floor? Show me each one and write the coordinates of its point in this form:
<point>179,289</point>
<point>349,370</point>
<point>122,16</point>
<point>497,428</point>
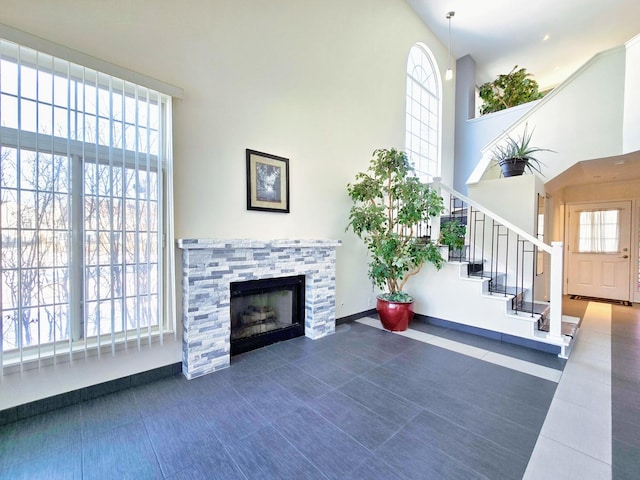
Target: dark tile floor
<point>360,404</point>
<point>625,392</point>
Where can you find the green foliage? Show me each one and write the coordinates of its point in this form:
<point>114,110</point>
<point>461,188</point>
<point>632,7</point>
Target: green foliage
<point>514,88</point>
<point>389,202</point>
<point>399,297</point>
<point>519,149</point>
<point>452,234</point>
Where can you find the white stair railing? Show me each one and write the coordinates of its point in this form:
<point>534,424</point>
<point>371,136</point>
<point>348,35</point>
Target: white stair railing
<point>553,288</point>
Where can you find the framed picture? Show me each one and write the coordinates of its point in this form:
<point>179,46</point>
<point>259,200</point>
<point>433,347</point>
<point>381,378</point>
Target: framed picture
<point>267,182</point>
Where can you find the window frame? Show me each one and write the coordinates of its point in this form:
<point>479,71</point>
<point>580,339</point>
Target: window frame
<point>99,154</point>
<point>432,138</point>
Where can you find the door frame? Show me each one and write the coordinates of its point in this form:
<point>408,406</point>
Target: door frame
<point>634,237</point>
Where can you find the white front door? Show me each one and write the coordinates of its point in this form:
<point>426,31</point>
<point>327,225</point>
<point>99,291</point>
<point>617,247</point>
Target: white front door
<point>598,250</point>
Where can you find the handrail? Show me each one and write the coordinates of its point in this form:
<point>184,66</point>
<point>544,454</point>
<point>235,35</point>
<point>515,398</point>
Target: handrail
<point>555,251</point>
<point>506,223</point>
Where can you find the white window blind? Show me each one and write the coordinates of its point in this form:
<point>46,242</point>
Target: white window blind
<point>423,113</point>
<point>83,174</point>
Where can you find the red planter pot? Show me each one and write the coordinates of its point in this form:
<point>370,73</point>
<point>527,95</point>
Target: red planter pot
<point>395,316</point>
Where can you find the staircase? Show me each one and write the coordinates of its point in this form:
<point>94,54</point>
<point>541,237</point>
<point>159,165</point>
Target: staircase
<point>508,279</point>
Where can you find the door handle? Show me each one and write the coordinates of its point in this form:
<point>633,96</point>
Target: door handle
<point>625,256</point>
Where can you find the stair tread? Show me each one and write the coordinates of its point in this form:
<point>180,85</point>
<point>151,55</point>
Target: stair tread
<point>568,328</point>
<point>539,308</point>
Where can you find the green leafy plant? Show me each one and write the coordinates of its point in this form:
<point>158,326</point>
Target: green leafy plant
<point>519,150</point>
<point>390,202</point>
<point>514,88</point>
<point>452,234</point>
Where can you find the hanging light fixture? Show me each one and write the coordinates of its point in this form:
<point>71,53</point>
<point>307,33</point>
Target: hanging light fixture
<point>449,74</point>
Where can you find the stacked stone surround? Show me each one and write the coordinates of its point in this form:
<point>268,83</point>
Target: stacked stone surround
<point>210,265</point>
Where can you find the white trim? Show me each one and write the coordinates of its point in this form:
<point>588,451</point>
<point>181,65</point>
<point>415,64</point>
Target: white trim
<point>511,363</point>
<point>65,53</point>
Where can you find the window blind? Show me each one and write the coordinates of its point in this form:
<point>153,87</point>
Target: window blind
<point>84,170</point>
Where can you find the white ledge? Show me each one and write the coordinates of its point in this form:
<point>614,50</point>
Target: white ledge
<point>224,244</point>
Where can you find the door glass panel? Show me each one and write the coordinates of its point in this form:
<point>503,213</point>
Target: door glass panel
<point>599,231</point>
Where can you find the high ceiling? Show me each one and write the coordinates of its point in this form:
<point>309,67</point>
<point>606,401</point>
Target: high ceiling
<point>550,38</point>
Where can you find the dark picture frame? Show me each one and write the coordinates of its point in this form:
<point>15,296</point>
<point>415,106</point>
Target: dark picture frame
<point>267,182</point>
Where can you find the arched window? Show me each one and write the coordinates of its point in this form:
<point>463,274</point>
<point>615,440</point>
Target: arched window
<point>423,112</point>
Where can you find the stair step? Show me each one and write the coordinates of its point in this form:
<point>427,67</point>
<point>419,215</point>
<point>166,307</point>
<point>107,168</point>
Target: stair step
<point>475,268</point>
<point>506,290</point>
<point>568,329</point>
<point>533,307</point>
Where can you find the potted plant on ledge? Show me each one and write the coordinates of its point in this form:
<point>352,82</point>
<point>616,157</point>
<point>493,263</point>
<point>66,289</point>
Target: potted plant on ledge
<point>510,90</point>
<point>515,155</point>
<point>390,202</point>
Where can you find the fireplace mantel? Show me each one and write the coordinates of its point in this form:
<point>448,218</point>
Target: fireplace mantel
<point>210,265</point>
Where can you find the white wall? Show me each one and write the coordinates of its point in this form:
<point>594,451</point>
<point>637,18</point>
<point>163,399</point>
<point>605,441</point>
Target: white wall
<point>513,198</point>
<point>582,119</point>
<point>319,82</point>
<point>630,137</point>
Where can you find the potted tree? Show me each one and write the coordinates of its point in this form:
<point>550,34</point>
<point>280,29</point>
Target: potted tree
<point>390,203</point>
<point>515,155</point>
<point>514,88</point>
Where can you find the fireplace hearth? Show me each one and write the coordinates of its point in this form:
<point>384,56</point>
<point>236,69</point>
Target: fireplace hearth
<point>265,312</point>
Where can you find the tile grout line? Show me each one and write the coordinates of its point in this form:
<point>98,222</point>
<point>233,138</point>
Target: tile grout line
<point>499,359</point>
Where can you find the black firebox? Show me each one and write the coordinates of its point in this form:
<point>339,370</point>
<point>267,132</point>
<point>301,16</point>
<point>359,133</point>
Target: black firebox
<point>266,311</point>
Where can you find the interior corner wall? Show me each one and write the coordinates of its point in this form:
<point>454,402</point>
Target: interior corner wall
<point>465,110</point>
<point>631,125</point>
<point>514,199</point>
<point>321,83</point>
<point>473,134</point>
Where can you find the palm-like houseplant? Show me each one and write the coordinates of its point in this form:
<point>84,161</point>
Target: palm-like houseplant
<point>390,203</point>
<point>515,155</point>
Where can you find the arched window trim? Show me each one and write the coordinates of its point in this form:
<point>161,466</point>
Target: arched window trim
<point>434,72</point>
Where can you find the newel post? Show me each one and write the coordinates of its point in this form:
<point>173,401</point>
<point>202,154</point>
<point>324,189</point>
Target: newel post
<point>435,221</point>
<point>555,297</point>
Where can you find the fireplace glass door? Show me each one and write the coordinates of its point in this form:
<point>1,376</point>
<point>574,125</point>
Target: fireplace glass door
<point>266,311</point>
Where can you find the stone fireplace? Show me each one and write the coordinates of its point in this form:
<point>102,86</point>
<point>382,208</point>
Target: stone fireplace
<point>210,266</point>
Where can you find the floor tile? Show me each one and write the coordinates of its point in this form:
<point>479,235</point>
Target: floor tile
<point>268,398</point>
<point>556,461</point>
<point>54,464</point>
<point>477,453</point>
<point>107,412</point>
<point>383,402</point>
<point>325,371</point>
<point>330,449</point>
<point>582,429</point>
<point>266,454</point>
<point>353,418</point>
<point>418,458</point>
<point>503,432</point>
<point>124,452</point>
<point>626,458</point>
<point>192,441</point>
<point>231,416</point>
<point>374,468</point>
<point>347,361</point>
<point>298,383</point>
<point>519,365</point>
<point>583,392</point>
<point>29,438</point>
